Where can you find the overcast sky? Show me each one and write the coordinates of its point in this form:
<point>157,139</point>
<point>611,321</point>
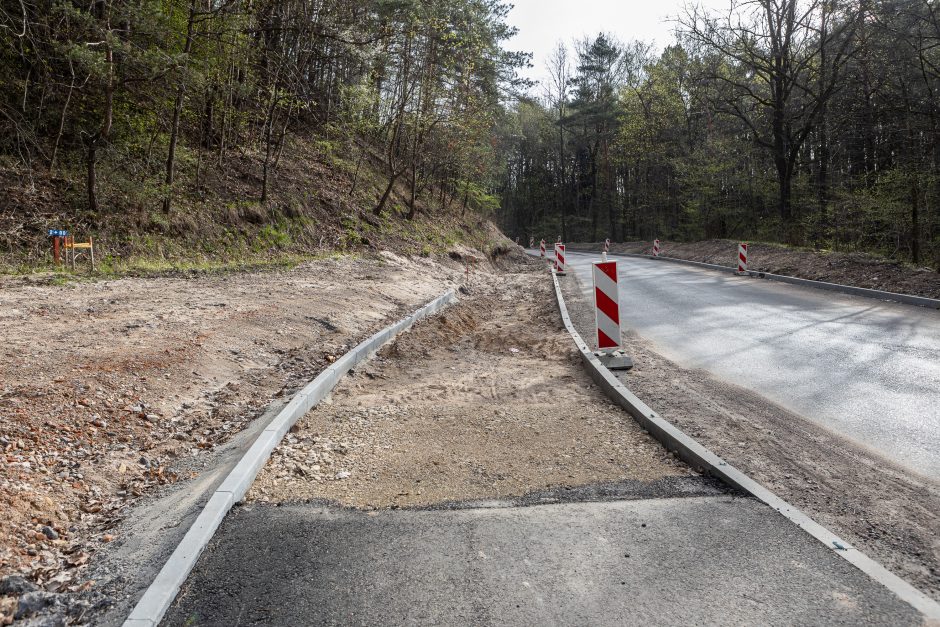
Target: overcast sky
<point>542,23</point>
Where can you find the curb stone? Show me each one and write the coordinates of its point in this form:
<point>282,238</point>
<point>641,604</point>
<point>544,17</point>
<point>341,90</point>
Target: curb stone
<point>155,601</point>
<point>907,299</point>
<point>703,460</point>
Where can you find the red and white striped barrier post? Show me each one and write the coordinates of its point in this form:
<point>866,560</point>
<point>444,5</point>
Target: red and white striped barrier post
<point>656,248</point>
<point>531,242</point>
<point>542,249</point>
<point>607,305</point>
<point>560,259</point>
<point>607,245</point>
<point>742,257</point>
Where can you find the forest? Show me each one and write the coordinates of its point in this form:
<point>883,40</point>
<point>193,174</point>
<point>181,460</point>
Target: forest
<point>812,123</point>
<point>140,108</point>
<point>805,122</point>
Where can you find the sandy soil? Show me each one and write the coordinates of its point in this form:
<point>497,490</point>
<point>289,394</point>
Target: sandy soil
<point>856,269</point>
<point>461,408</point>
<point>892,516</point>
<point>107,387</point>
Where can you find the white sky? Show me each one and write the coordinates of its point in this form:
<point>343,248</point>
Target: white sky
<point>542,23</point>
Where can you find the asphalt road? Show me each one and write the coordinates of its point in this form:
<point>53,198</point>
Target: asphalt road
<point>699,560</point>
<point>866,369</point>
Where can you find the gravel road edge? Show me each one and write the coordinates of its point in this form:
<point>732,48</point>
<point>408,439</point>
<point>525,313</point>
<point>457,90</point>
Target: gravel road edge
<point>150,609</point>
<point>705,461</point>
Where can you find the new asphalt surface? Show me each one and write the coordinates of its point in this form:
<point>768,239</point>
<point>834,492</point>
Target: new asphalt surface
<point>867,369</point>
<point>701,560</point>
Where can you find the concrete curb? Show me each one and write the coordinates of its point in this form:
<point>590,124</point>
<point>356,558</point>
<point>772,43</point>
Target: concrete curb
<point>157,598</point>
<point>703,460</point>
<point>907,299</point>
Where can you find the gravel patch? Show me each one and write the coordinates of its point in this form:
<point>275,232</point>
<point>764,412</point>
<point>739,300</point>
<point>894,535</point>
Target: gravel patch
<point>485,401</point>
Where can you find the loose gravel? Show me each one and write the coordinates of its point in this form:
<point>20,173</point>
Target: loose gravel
<point>487,400</point>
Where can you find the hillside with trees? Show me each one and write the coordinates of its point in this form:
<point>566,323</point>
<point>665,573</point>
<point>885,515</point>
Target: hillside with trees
<point>805,122</point>
<point>219,128</point>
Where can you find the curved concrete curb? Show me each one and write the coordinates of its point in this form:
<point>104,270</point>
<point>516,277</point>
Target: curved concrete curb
<point>157,598</point>
<point>908,299</point>
<point>703,460</point>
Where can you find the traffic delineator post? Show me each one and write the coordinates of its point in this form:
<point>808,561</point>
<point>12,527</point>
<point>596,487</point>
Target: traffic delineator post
<point>607,305</point>
<point>542,249</point>
<point>560,259</point>
<point>742,257</point>
<point>656,248</point>
<point>607,245</point>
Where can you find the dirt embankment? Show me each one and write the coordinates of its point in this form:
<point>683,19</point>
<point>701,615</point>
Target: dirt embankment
<point>855,269</point>
<point>107,388</point>
<point>883,510</point>
<point>487,400</point>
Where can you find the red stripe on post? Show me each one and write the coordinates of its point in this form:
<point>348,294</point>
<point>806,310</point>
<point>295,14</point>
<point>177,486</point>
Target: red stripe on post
<point>607,306</point>
<point>609,268</point>
<point>605,342</point>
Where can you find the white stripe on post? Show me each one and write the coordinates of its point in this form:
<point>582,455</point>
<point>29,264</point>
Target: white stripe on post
<point>742,257</point>
<point>607,305</point>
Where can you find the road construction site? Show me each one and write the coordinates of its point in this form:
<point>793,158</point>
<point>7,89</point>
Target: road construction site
<point>472,472</point>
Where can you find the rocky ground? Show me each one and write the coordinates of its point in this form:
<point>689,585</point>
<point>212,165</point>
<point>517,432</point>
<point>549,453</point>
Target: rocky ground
<point>109,390</point>
<point>856,269</point>
<point>487,400</point>
<point>888,513</point>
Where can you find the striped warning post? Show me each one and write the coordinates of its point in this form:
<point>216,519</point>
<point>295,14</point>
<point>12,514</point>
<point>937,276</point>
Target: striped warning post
<point>607,304</point>
<point>656,248</point>
<point>560,259</point>
<point>607,245</point>
<point>742,257</point>
<point>542,248</point>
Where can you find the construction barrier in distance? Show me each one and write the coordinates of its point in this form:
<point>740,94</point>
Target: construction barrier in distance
<point>560,259</point>
<point>742,257</point>
<point>656,248</point>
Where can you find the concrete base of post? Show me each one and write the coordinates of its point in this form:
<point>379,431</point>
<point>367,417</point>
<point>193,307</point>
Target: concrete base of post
<point>616,360</point>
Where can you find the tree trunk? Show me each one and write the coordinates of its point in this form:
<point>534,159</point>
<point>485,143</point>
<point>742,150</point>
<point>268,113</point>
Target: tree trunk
<point>915,219</point>
<point>388,192</point>
<point>103,133</point>
<point>177,112</point>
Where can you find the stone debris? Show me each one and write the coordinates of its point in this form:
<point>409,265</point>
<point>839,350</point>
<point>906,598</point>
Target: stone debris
<point>112,389</point>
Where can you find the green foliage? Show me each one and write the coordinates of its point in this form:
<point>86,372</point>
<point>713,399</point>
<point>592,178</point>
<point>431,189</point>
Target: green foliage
<point>693,143</point>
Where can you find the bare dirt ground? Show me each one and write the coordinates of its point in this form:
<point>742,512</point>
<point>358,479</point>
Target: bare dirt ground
<point>856,269</point>
<point>107,388</point>
<point>461,408</point>
<point>887,513</point>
